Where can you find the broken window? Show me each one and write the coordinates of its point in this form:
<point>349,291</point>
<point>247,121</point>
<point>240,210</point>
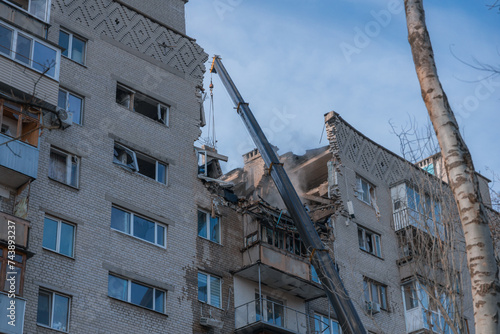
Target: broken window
<point>208,226</point>
<point>16,266</point>
<point>364,190</point>
<point>369,242</point>
<point>140,163</point>
<point>142,104</point>
<point>285,240</point>
<point>64,167</point>
<point>375,292</point>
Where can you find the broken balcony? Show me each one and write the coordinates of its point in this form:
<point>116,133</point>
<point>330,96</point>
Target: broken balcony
<point>18,144</point>
<point>18,225</point>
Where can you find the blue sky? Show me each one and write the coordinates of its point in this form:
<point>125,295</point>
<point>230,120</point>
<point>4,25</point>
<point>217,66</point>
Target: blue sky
<point>295,60</point>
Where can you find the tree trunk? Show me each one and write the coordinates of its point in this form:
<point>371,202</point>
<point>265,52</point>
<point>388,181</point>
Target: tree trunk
<point>461,174</point>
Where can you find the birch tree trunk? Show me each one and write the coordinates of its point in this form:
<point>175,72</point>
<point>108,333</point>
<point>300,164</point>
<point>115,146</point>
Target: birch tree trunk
<point>461,174</point>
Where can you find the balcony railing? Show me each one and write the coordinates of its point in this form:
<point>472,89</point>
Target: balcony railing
<point>409,217</point>
<point>266,314</point>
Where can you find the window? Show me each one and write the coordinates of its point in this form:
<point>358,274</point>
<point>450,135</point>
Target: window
<point>364,190</point>
<point>274,310</point>
<point>74,47</point>
<point>139,227</point>
<point>314,275</point>
<point>285,240</point>
<point>410,296</point>
<point>325,325</point>
<point>140,163</point>
<point>29,51</point>
<point>369,242</point>
<point>142,104</point>
<point>72,103</point>
<point>136,293</point>
<point>53,310</point>
<point>208,226</point>
<point>58,236</point>
<point>37,8</point>
<point>375,292</point>
<point>64,167</point>
<point>12,264</point>
<point>209,289</point>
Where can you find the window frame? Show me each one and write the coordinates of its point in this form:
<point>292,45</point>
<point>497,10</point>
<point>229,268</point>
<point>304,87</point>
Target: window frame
<point>12,51</point>
<point>72,36</point>
<point>134,165</point>
<point>135,95</point>
<point>58,236</point>
<point>51,311</point>
<point>370,189</point>
<point>28,11</point>
<point>67,94</point>
<point>323,319</point>
<point>376,241</point>
<point>207,226</point>
<point>5,261</point>
<point>69,170</point>
<point>209,289</point>
<point>368,283</point>
<point>129,293</point>
<point>131,227</point>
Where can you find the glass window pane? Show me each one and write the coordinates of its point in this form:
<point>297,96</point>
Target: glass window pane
<point>202,224</point>
<point>214,229</point>
<point>120,220</point>
<point>161,173</point>
<point>383,297</point>
<point>39,9</point>
<point>23,49</point>
<point>117,287</point>
<point>144,229</point>
<point>160,301</point>
<point>361,239</point>
<point>57,166</point>
<point>74,172</point>
<point>78,50</point>
<point>317,323</point>
<point>44,308</point>
<point>67,239</point>
<point>202,287</point>
<point>160,235</point>
<point>378,250</point>
<point>61,99</point>
<point>44,59</point>
<point>374,293</point>
<point>215,291</point>
<point>5,40</point>
<point>61,310</point>
<point>366,291</point>
<point>64,42</point>
<point>50,234</point>
<point>75,106</point>
<point>141,295</point>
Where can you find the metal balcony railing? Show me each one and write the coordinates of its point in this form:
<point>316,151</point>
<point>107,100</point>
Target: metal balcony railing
<point>273,314</point>
<point>408,217</point>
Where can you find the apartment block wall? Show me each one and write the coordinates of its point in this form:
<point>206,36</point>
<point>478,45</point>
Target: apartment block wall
<point>129,52</point>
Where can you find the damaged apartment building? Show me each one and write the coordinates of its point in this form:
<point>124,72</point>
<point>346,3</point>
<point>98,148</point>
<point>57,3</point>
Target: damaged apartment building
<point>390,226</point>
<point>111,221</point>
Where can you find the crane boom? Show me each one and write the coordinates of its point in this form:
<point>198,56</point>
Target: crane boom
<point>321,260</point>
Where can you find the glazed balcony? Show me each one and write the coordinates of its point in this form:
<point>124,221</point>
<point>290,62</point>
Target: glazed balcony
<point>18,225</point>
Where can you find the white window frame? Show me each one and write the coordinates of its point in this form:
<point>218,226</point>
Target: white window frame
<point>13,46</point>
<point>368,282</point>
<point>70,46</point>
<point>58,236</point>
<point>47,10</point>
<point>209,289</point>
<point>69,162</point>
<point>207,225</point>
<point>369,186</point>
<point>375,239</point>
<point>131,228</point>
<point>134,155</point>
<point>66,104</point>
<point>325,320</point>
<point>129,293</point>
<point>51,315</point>
<point>162,120</point>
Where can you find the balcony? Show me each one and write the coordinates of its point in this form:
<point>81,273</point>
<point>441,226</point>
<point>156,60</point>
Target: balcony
<point>5,314</point>
<point>276,318</point>
<point>18,145</point>
<point>21,229</point>
<point>407,217</point>
<point>279,270</point>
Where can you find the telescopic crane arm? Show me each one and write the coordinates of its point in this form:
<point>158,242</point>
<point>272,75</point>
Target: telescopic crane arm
<point>321,260</point>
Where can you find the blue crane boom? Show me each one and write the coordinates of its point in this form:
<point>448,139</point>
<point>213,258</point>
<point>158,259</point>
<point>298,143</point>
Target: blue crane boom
<point>320,258</point>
